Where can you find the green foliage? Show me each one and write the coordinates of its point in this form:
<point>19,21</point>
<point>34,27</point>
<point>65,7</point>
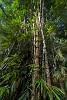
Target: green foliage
<point>51,91</point>
<point>50,26</point>
<point>3,90</point>
<point>24,95</point>
<point>59,55</point>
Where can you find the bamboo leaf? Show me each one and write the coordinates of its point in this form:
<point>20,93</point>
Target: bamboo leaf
<point>57,97</point>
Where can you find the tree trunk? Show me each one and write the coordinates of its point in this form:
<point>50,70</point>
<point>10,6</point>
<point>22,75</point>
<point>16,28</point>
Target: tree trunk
<point>45,59</point>
<point>35,76</point>
<point>37,56</point>
<point>43,55</point>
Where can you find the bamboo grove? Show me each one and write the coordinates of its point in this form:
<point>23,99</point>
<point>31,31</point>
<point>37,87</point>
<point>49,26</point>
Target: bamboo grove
<point>33,50</point>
